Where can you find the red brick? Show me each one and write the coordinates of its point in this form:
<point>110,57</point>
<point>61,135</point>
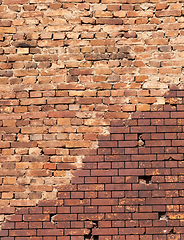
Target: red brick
<point>23,233</point>
<point>64,217</point>
<point>36,217</point>
<point>47,232</point>
<point>117,187</point>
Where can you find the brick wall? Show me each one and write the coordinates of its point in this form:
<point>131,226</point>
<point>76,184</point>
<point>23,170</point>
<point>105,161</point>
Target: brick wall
<point>91,119</point>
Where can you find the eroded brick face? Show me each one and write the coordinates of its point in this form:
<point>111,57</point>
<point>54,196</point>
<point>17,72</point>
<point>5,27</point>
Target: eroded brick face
<point>91,119</point>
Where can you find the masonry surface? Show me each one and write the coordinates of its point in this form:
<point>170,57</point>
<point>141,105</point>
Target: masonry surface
<point>91,120</point>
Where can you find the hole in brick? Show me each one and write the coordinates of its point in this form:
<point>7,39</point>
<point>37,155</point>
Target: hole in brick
<point>51,215</point>
<point>141,142</point>
<point>95,224</point>
<point>172,231</point>
<point>145,179</point>
<point>162,216</point>
<point>90,235</point>
<point>16,137</point>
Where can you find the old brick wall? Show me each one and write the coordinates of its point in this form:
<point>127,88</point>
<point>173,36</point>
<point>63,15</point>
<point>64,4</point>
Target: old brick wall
<point>91,119</point>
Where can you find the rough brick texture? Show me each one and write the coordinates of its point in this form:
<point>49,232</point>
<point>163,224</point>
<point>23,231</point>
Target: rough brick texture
<point>91,119</point>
